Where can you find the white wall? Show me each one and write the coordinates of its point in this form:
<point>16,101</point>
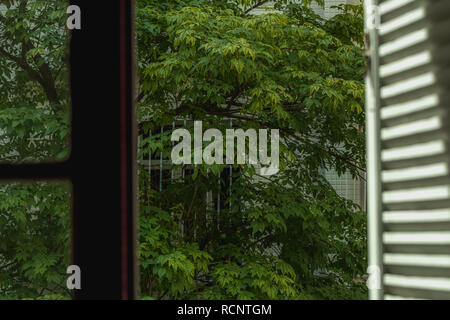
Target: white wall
<point>326,12</point>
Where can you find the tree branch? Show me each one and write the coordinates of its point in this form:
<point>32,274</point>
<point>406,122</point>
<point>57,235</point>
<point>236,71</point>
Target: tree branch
<point>47,83</point>
<point>260,3</point>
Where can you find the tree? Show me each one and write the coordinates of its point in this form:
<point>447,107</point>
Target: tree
<point>34,126</point>
<point>34,240</point>
<point>286,236</point>
<point>34,114</point>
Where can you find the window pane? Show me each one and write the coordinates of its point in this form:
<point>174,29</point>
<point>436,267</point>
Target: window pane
<point>34,240</point>
<point>34,89</point>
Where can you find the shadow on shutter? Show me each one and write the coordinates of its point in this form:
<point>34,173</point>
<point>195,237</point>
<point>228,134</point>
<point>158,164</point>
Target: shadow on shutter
<point>413,136</point>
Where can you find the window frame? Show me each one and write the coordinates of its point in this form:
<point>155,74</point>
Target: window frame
<point>102,83</point>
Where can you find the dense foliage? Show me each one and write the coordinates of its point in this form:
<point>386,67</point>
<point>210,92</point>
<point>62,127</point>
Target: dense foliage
<point>34,126</point>
<point>34,112</point>
<point>286,236</point>
<point>34,239</point>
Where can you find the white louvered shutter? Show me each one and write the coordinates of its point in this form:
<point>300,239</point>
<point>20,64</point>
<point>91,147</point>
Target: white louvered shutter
<point>408,104</point>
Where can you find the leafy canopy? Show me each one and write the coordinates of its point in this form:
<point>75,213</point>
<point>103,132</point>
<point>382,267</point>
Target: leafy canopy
<point>34,95</point>
<point>286,236</point>
<point>34,126</point>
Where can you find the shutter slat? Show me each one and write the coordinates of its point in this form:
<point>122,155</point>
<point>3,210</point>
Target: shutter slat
<point>414,116</point>
<point>439,134</point>
<point>416,293</point>
<point>417,205</point>
<point>411,184</point>
<point>410,95</point>
<point>417,249</point>
<point>408,74</point>
<point>398,164</point>
<point>416,227</point>
<point>417,271</point>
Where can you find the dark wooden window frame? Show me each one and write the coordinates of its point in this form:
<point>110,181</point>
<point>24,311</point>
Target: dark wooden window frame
<point>103,127</point>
